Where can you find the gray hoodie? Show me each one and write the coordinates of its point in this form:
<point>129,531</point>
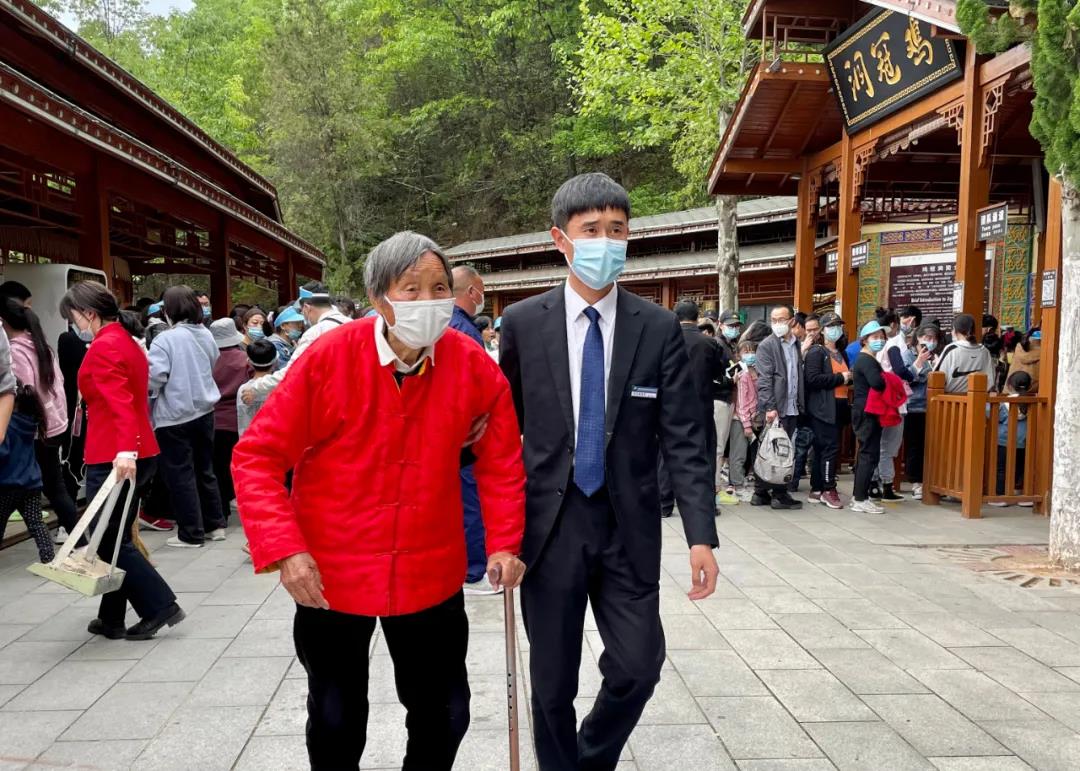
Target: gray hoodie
<point>962,358</point>
<point>182,384</point>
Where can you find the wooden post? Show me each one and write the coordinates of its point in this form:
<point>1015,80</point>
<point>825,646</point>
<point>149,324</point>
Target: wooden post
<point>92,204</point>
<point>934,441</point>
<point>665,294</point>
<point>847,281</point>
<point>287,287</point>
<point>974,192</point>
<point>221,275</point>
<point>972,443</point>
<point>1048,361</point>
<point>804,246</point>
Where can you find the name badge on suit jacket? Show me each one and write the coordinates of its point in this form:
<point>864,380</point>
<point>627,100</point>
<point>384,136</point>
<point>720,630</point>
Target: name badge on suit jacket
<point>644,392</point>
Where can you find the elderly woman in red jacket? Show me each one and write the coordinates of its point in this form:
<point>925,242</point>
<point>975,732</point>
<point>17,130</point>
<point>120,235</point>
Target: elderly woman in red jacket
<point>372,421</point>
<point>113,381</point>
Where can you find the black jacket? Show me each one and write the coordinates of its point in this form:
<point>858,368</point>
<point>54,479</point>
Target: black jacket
<point>651,406</point>
<point>820,383</point>
<point>707,364</point>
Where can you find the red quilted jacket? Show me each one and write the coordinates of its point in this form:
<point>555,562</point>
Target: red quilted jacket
<point>376,492</point>
<point>886,404</point>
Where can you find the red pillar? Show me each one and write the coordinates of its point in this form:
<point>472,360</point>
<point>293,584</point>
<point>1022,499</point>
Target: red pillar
<point>221,272</point>
<point>92,203</point>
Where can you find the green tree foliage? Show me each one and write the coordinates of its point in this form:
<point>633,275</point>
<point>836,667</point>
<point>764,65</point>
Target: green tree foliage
<point>456,118</point>
<point>660,74</point>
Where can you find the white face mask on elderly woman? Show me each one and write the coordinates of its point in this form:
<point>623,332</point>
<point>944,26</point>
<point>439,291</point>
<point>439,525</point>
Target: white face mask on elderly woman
<point>420,323</point>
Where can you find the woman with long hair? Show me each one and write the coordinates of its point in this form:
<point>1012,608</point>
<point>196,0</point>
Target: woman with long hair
<point>114,383</point>
<point>183,395</point>
<point>36,366</point>
<point>20,476</point>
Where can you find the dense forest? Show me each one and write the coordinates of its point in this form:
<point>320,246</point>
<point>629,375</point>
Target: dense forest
<point>457,118</point>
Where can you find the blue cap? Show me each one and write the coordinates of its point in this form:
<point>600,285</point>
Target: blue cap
<point>154,308</point>
<point>371,313</point>
<point>1036,335</point>
<point>287,315</point>
<point>498,322</point>
<point>870,328</point>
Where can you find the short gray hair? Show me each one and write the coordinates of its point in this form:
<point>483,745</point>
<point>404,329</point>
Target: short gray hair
<point>394,256</point>
<point>468,275</point>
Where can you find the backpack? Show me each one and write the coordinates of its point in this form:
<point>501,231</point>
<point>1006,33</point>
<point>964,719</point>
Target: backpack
<point>775,462</point>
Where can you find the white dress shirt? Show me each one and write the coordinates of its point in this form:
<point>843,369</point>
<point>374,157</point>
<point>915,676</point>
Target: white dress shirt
<point>387,355</point>
<point>577,327</point>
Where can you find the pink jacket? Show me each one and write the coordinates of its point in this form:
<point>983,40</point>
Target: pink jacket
<point>746,401</point>
<point>25,365</point>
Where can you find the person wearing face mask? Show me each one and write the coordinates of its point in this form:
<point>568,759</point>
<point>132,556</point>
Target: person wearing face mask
<point>119,437</point>
<point>827,382</point>
<point>808,330</point>
<point>320,316</point>
<point>965,356</point>
<point>780,394</point>
<point>601,381</point>
<point>919,359</point>
<point>729,328</point>
<point>892,360</point>
<point>288,327</point>
<point>388,402</point>
<point>743,439</point>
<point>230,372</point>
<point>204,303</point>
<point>867,375</point>
<point>468,304</point>
<point>255,325</point>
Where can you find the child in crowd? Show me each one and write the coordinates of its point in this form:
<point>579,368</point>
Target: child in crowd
<point>1018,384</point>
<point>742,443</point>
<point>262,355</point>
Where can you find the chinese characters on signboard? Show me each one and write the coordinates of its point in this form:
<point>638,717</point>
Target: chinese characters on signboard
<point>950,234</point>
<point>929,281</point>
<point>993,222</point>
<point>1049,288</point>
<point>860,252</point>
<point>885,61</point>
<point>831,259</point>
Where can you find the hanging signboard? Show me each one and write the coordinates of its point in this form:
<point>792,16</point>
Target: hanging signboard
<point>831,259</point>
<point>860,252</point>
<point>1049,289</point>
<point>884,62</point>
<point>927,280</point>
<point>993,222</point>
<point>950,235</point>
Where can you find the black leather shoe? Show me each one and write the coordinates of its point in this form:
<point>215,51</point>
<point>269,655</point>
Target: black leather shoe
<point>759,500</point>
<point>785,501</point>
<point>97,626</point>
<point>148,627</point>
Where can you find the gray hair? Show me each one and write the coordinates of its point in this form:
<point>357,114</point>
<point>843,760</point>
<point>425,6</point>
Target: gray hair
<point>467,275</point>
<point>394,256</point>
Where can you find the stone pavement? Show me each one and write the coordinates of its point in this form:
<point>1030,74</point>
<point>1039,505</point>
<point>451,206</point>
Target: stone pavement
<point>834,641</point>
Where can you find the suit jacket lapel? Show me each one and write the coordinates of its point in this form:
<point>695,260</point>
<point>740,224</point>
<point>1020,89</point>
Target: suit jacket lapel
<point>558,351</point>
<point>628,327</point>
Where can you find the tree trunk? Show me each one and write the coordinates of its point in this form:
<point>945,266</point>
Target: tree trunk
<point>727,243</point>
<point>727,253</point>
<point>1065,495</point>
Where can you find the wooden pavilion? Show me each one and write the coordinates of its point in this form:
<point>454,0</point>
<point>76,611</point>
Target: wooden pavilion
<point>882,108</point>
<point>97,170</point>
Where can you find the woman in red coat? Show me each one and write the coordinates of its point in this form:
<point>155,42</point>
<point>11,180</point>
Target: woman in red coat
<point>372,420</point>
<point>113,381</point>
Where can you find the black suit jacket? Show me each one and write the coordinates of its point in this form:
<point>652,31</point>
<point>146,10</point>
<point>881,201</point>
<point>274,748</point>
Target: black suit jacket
<point>648,358</point>
<point>707,364</point>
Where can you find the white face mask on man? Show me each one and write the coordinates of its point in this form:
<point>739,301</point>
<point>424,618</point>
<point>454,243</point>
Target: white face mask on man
<point>420,323</point>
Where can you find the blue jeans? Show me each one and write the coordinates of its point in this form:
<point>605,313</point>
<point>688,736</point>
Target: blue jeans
<point>475,547</point>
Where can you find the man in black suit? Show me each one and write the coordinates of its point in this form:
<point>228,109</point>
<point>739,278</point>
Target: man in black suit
<point>707,369</point>
<point>601,383</point>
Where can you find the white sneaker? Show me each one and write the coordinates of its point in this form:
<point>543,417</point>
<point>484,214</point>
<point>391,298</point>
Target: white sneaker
<point>480,588</point>
<point>997,504</point>
<point>216,535</point>
<point>1026,504</point>
<point>60,535</point>
<point>176,543</point>
<point>916,492</point>
<point>866,507</point>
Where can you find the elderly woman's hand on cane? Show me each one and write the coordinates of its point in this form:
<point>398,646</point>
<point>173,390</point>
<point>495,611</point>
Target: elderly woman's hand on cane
<point>504,570</point>
<point>301,579</point>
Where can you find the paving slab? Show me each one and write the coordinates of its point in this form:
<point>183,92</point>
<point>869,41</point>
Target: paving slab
<point>815,695</point>
<point>659,748</point>
<point>716,673</point>
<point>129,711</point>
<point>1016,670</point>
<point>910,649</point>
<point>200,737</point>
<point>769,649</point>
<point>866,747</point>
<point>100,754</point>
<point>25,735</point>
<point>868,672</point>
<point>1000,763</point>
<point>70,685</point>
<point>757,727</point>
<point>933,727</point>
<point>1046,745</point>
<point>818,630</point>
<point>977,696</point>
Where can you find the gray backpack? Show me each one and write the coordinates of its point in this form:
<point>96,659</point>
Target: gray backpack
<point>775,460</point>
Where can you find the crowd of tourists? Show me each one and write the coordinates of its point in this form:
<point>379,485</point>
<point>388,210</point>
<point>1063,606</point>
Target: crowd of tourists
<point>385,466</point>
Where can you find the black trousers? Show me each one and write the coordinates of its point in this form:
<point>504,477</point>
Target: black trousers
<point>790,424</point>
<point>826,455</point>
<point>428,650</point>
<point>803,439</point>
<point>52,481</point>
<point>143,586</point>
<point>868,432</point>
<point>187,464</point>
<point>224,443</point>
<point>73,467</point>
<point>584,562</point>
<point>1002,460</point>
<point>914,445</point>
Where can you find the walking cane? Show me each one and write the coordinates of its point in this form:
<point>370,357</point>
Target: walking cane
<point>495,577</point>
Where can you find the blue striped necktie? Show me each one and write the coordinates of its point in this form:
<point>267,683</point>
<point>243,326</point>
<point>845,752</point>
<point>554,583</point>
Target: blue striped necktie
<point>589,457</point>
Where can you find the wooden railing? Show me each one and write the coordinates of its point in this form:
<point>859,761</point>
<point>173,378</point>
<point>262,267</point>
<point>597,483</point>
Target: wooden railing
<point>961,458</point>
